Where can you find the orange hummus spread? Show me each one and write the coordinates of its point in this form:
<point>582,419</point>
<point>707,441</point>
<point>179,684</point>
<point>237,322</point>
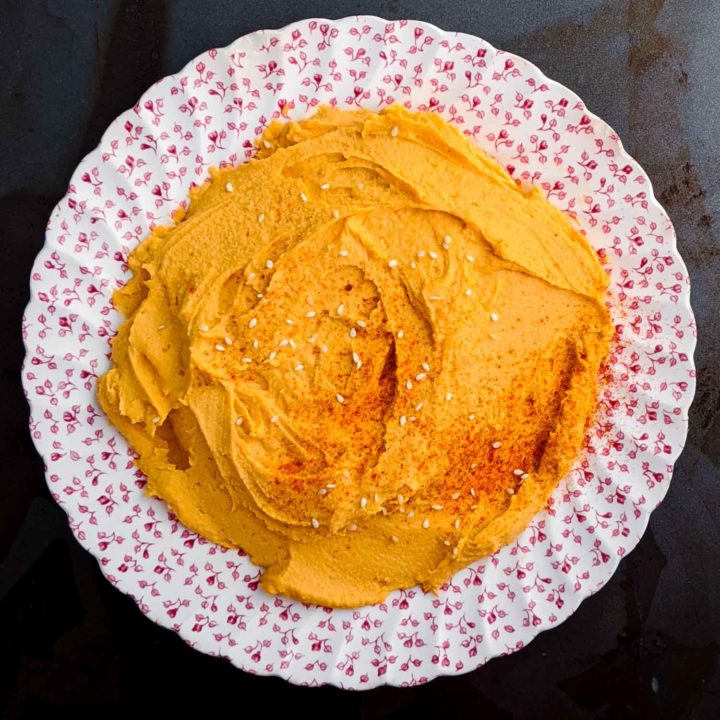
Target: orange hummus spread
<point>366,357</point>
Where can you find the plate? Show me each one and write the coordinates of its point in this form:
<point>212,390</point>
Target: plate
<point>209,114</point>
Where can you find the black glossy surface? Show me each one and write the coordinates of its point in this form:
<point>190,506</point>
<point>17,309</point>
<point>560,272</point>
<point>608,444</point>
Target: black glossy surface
<point>646,646</point>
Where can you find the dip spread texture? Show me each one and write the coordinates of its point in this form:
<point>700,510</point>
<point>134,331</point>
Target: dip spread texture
<point>366,357</point>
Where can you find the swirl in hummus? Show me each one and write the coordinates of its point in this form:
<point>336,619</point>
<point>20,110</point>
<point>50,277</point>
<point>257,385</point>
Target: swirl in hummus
<point>365,357</point>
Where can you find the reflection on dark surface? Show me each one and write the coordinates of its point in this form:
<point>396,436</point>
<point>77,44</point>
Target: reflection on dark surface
<point>644,647</point>
<point>628,678</point>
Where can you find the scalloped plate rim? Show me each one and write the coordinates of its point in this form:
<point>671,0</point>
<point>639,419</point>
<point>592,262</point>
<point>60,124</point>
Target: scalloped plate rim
<point>575,598</point>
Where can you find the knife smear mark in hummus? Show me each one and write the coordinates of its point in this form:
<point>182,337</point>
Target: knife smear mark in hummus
<point>366,357</point>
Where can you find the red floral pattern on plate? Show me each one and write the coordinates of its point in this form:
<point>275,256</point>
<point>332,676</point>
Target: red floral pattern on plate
<point>209,114</point>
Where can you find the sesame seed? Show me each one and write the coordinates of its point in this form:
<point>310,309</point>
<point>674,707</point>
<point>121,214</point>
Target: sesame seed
<point>471,416</point>
<point>361,324</point>
<point>455,551</point>
<point>473,466</point>
<point>340,309</point>
<point>363,502</point>
<point>299,367</point>
<point>343,253</point>
<point>267,144</point>
<point>261,217</point>
<point>311,314</point>
<point>303,197</point>
<point>395,131</point>
<point>252,323</point>
<point>446,241</point>
<point>400,499</point>
<point>275,419</point>
<point>322,491</point>
<point>494,317</point>
<point>446,543</point>
<point>517,471</point>
<point>238,421</point>
<point>376,498</point>
<point>418,407</point>
<point>510,491</point>
<point>272,355</point>
<point>470,258</point>
<point>360,186</point>
<point>448,397</point>
<point>314,523</point>
<point>251,277</point>
<point>420,376</point>
<point>409,385</point>
<point>229,187</point>
<point>456,524</point>
<point>203,328</point>
<point>330,486</point>
<point>524,476</point>
<point>412,418</point>
<point>400,334</point>
<point>468,292</point>
<point>220,348</point>
<point>340,398</point>
<point>256,344</point>
<point>352,527</point>
<point>433,254</point>
<point>455,496</point>
<point>426,367</point>
<point>284,342</point>
<point>311,339</point>
<point>269,264</point>
<point>496,445</point>
<point>413,265</point>
<point>394,538</point>
<point>473,507</point>
<point>410,515</point>
<point>161,327</point>
<point>289,322</point>
<point>324,348</point>
<point>493,336</point>
<point>426,523</point>
<point>401,509</point>
<point>436,507</point>
<point>403,420</point>
<point>156,419</point>
<point>472,492</point>
<point>392,263</point>
<point>247,360</point>
<point>336,214</point>
<point>421,253</point>
<point>434,297</point>
<point>356,359</point>
<point>325,186</point>
<point>228,340</point>
<point>259,296</point>
<point>353,332</point>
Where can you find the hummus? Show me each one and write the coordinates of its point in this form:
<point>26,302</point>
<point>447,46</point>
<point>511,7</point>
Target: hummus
<point>366,357</point>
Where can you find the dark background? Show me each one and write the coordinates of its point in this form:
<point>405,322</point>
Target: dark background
<point>645,646</point>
